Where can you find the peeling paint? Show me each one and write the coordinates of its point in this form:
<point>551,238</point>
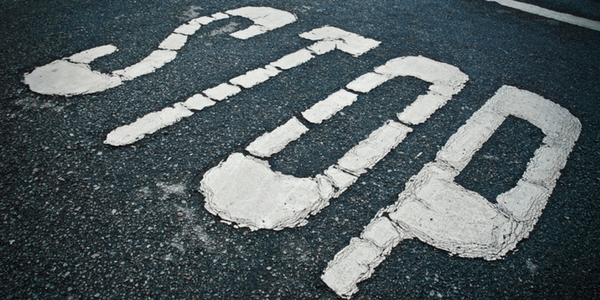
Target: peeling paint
<point>73,75</point>
<point>436,210</point>
<point>243,190</point>
<point>152,122</point>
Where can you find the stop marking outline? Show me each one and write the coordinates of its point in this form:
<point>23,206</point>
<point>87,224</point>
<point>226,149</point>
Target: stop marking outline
<point>432,207</point>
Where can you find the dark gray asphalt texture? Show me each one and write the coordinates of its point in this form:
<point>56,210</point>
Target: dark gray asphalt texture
<point>83,220</point>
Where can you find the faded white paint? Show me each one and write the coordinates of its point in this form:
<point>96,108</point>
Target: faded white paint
<point>73,75</point>
<point>540,11</point>
<point>254,77</point>
<point>441,213</point>
<point>245,191</point>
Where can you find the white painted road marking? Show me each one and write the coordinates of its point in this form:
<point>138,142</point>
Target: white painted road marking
<point>245,191</point>
<point>73,75</point>
<point>441,213</point>
<point>327,39</point>
<point>536,10</point>
<point>274,141</point>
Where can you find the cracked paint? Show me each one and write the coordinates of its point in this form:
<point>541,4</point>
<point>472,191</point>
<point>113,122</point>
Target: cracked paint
<point>243,190</point>
<point>73,75</point>
<point>149,123</point>
<point>439,212</point>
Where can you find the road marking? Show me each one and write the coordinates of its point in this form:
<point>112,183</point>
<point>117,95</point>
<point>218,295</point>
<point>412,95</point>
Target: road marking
<point>325,109</point>
<point>327,39</point>
<point>540,11</point>
<point>73,75</point>
<point>243,190</point>
<point>274,141</point>
<point>441,213</point>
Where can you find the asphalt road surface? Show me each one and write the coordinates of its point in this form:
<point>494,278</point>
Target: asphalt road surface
<point>502,203</point>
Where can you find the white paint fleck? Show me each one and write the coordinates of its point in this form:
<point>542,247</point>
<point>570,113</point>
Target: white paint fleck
<point>533,268</point>
<point>87,56</point>
<point>325,109</point>
<point>198,102</point>
<point>293,59</point>
<point>169,189</point>
<point>192,12</point>
<point>148,124</point>
<point>155,60</point>
<point>536,10</point>
<point>177,246</point>
<point>225,29</point>
<point>274,141</point>
<point>222,91</point>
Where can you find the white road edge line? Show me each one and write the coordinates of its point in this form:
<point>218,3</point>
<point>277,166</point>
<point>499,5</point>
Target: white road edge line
<point>540,11</point>
<point>443,214</point>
